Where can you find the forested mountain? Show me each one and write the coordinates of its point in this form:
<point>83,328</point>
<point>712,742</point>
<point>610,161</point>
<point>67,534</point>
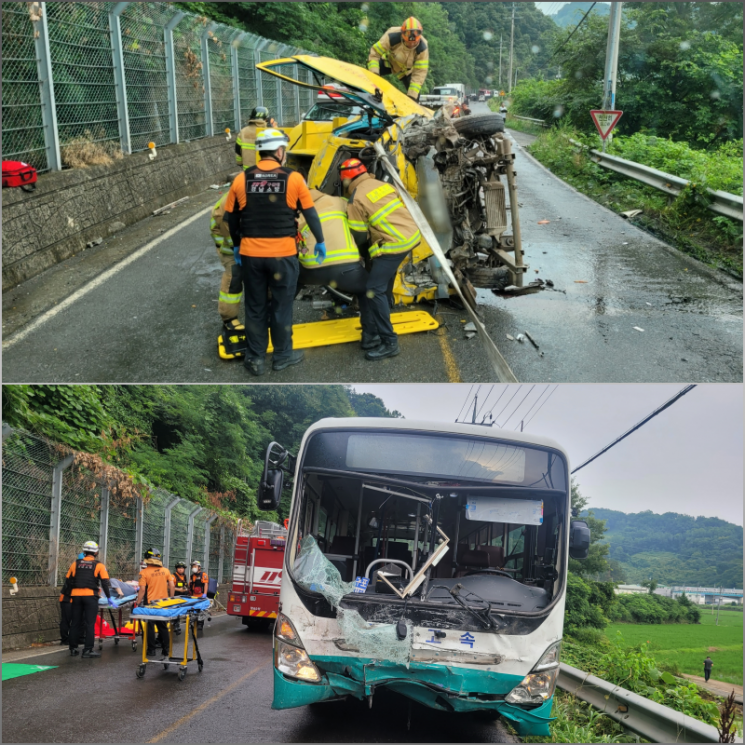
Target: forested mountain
<point>203,443</point>
<point>464,38</point>
<point>571,13</point>
<point>674,548</point>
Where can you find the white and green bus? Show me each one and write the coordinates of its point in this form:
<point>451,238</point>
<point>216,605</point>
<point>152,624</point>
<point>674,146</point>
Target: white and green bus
<point>429,559</point>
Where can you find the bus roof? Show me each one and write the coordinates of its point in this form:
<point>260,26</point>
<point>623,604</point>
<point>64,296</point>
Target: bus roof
<point>441,427</point>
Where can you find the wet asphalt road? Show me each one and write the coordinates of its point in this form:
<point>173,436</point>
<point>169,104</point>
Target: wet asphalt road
<point>156,319</point>
<point>230,701</point>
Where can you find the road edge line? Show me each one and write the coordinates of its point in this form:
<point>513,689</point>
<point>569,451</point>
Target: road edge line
<point>97,282</point>
<point>173,727</point>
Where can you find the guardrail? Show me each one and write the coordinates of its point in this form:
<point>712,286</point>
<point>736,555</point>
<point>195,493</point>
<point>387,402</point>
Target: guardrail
<point>729,205</point>
<point>528,119</point>
<point>650,720</point>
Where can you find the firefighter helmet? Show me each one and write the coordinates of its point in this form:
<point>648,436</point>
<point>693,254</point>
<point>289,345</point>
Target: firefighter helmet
<point>352,168</point>
<point>90,547</point>
<point>260,112</point>
<point>152,553</point>
<point>411,29</point>
<point>269,140</point>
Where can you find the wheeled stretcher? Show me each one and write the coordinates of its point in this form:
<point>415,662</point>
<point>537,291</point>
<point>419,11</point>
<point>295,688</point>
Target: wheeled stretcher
<point>121,604</point>
<point>190,611</point>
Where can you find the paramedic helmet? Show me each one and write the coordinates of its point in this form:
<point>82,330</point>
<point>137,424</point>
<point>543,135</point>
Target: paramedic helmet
<point>260,112</point>
<point>90,547</point>
<point>270,140</point>
<point>180,565</point>
<point>196,566</point>
<point>152,553</point>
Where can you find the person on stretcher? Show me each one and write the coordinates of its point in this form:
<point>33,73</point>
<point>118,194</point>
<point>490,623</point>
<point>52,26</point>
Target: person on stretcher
<point>342,269</point>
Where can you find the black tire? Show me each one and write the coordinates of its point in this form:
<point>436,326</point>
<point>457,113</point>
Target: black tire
<point>181,674</point>
<point>140,671</point>
<point>134,646</point>
<point>116,642</point>
<point>479,125</point>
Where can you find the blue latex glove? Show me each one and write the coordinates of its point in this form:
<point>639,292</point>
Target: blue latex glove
<point>237,255</point>
<point>111,602</point>
<point>320,252</point>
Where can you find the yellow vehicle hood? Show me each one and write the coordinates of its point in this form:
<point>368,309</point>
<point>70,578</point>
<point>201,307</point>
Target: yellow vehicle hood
<point>353,77</point>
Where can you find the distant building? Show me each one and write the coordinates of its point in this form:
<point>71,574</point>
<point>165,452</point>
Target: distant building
<point>631,590</point>
<point>697,595</point>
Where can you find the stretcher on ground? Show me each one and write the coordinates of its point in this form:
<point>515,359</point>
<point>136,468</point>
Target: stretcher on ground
<point>187,610</point>
<point>120,629</point>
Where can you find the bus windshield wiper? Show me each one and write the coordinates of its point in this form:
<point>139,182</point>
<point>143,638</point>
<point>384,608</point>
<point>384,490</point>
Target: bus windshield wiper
<point>477,612</point>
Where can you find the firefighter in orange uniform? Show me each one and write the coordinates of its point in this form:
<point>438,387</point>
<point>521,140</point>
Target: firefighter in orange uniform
<point>156,584</point>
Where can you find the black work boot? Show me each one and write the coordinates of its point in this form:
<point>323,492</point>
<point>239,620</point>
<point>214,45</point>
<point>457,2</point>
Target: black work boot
<point>386,349</point>
<point>90,653</point>
<point>295,358</point>
<point>74,652</point>
<point>255,367</point>
<point>370,341</point>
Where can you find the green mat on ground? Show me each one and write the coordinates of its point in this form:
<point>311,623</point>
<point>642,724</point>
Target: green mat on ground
<point>13,670</point>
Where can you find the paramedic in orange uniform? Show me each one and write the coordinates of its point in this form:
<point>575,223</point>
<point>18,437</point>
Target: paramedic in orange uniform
<point>156,584</point>
<point>84,576</point>
<point>262,209</point>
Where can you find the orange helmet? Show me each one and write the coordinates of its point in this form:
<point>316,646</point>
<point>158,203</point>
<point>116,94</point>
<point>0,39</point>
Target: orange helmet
<point>411,29</point>
<point>352,168</point>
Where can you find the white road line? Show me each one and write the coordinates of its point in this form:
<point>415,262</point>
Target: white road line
<point>108,274</point>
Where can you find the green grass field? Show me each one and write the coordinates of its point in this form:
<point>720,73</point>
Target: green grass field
<point>686,645</point>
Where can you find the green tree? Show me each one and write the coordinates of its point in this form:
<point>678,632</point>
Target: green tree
<point>596,563</point>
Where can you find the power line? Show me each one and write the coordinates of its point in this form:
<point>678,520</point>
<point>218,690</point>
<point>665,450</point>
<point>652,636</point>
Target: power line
<point>464,404</point>
<point>566,41</point>
<point>657,411</point>
<point>496,402</point>
<point>504,424</point>
<point>478,413</point>
<point>534,403</point>
<point>541,406</point>
<point>509,402</point>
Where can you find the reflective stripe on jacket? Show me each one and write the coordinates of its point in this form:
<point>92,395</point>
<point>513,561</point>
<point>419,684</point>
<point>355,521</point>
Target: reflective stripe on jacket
<point>375,208</point>
<point>246,141</point>
<point>340,246</point>
<point>219,229</point>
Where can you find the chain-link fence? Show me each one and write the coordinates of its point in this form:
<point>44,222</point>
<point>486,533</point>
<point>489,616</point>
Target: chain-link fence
<point>52,504</point>
<point>98,79</point>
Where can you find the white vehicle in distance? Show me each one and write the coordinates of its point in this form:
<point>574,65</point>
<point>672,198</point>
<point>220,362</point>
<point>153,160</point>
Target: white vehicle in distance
<point>428,558</point>
<point>443,95</point>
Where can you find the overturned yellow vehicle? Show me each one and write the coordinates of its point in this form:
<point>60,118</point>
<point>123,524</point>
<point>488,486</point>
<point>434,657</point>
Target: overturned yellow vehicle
<point>453,168</point>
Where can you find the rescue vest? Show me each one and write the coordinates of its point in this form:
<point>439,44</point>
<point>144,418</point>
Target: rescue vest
<point>219,228</point>
<point>340,246</point>
<point>266,214</point>
<point>85,578</point>
<point>198,585</point>
<point>181,583</point>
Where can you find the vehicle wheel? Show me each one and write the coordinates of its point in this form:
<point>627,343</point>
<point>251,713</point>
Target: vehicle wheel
<point>116,642</point>
<point>165,667</point>
<point>479,125</point>
<point>200,666</point>
<point>140,671</point>
<point>134,646</point>
<point>181,674</point>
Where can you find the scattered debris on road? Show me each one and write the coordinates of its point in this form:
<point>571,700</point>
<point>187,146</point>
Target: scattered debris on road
<point>531,340</point>
<point>94,242</point>
<point>520,338</point>
<point>169,207</point>
<point>636,328</point>
<point>631,213</point>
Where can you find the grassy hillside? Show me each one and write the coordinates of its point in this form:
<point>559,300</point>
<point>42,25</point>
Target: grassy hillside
<point>674,548</point>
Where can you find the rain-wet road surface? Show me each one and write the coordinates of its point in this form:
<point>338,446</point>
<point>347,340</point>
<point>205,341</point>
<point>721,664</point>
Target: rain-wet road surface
<point>624,308</point>
<point>101,700</point>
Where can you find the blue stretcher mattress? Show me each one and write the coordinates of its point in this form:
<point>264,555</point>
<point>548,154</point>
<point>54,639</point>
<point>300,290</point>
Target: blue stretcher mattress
<point>118,602</point>
<point>172,611</point>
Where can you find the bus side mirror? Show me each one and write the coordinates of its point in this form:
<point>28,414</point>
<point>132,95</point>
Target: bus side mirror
<point>270,490</point>
<point>579,539</point>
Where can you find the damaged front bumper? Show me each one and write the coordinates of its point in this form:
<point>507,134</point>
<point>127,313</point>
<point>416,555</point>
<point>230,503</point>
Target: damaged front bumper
<point>444,687</point>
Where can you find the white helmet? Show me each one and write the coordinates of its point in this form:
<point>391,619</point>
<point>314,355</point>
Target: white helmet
<point>269,140</point>
<point>196,566</point>
<point>90,547</point>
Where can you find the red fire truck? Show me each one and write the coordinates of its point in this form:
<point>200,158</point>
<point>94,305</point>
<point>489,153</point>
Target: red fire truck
<point>257,573</point>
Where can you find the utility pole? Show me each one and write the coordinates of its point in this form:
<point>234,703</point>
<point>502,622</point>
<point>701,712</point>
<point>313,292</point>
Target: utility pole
<point>516,69</point>
<point>718,605</point>
<point>500,62</point>
<point>512,47</point>
<point>611,61</point>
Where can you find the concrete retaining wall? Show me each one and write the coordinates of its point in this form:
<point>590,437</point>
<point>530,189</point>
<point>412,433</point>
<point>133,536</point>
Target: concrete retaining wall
<point>70,208</point>
<point>32,615</point>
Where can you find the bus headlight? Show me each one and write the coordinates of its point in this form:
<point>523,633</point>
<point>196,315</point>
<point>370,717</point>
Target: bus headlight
<point>295,662</point>
<point>538,686</point>
<point>290,657</point>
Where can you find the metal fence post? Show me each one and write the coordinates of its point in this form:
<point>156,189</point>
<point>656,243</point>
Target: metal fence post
<point>103,531</point>
<point>115,29</point>
<point>139,530</point>
<point>46,88</point>
<point>235,42</point>
<point>209,120</point>
<point>165,554</point>
<point>171,74</point>
<point>220,560</point>
<point>257,59</point>
<point>54,523</point>
<point>280,107</point>
<point>190,532</point>
<point>207,528</point>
